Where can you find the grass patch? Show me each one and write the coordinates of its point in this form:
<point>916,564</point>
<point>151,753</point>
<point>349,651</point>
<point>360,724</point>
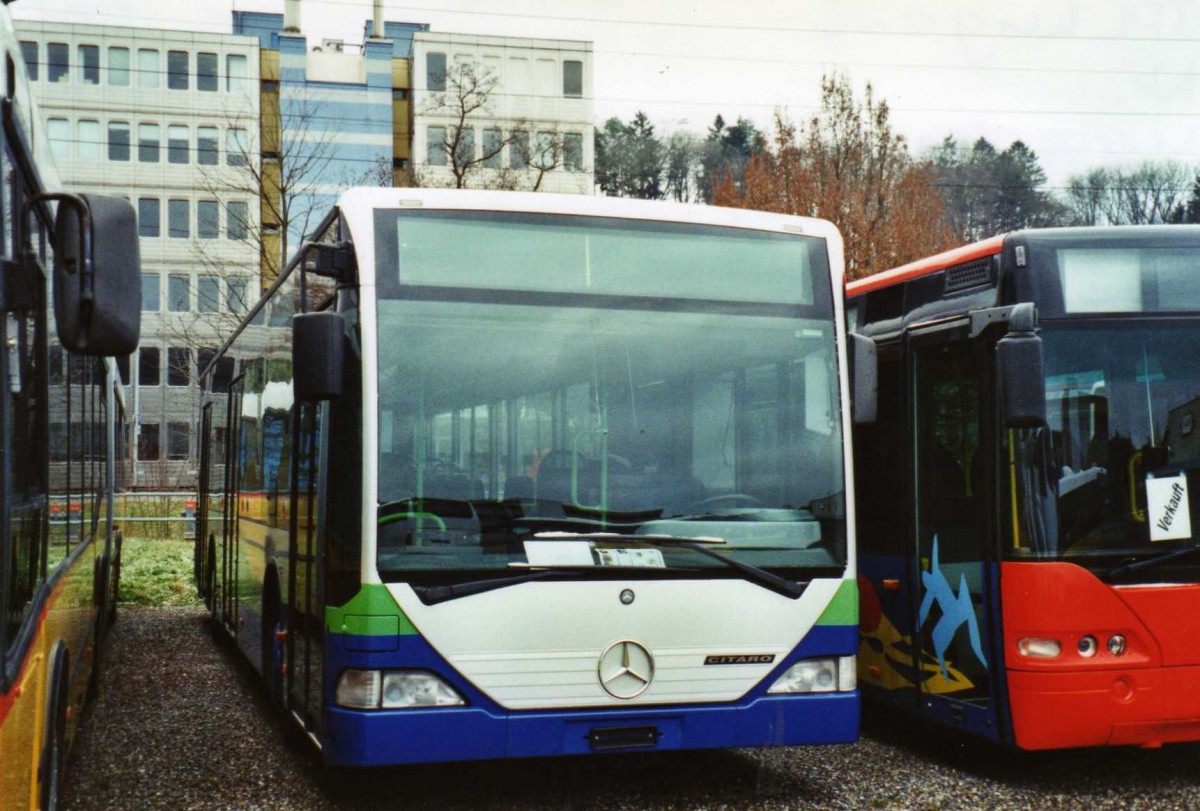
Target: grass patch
<point>157,573</point>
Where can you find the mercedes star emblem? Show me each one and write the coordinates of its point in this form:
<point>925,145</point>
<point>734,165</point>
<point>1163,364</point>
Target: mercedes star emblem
<point>626,669</point>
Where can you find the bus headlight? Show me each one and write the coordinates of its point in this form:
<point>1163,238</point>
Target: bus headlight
<point>358,689</point>
<point>1039,648</point>
<point>402,689</point>
<point>394,690</point>
<point>808,676</point>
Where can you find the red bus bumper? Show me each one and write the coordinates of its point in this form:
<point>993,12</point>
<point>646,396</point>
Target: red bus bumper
<point>1145,707</point>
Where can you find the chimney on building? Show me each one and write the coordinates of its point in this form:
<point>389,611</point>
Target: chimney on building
<point>377,30</point>
<point>291,16</point>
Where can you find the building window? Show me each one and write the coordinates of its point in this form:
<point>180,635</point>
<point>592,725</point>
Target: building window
<point>208,294</point>
<point>118,66</point>
<point>208,224</point>
<point>435,71</point>
<point>572,79</point>
<point>59,132</point>
<point>151,284</point>
<point>235,296</point>
<point>436,146</point>
<point>179,366</point>
<point>573,152</point>
<point>493,147</point>
<point>399,94</point>
<point>149,144</point>
<point>177,70</point>
<point>147,68</point>
<point>89,64</point>
<point>150,224</point>
<point>235,73</point>
<point>29,50</point>
<point>177,143</point>
<point>118,141</point>
<point>464,151</point>
<point>90,148</point>
<point>237,146</point>
<point>58,62</point>
<point>204,356</point>
<point>178,219</point>
<point>148,366</point>
<point>206,72</point>
<point>58,441</point>
<point>545,76</point>
<point>544,157</point>
<point>236,220</point>
<point>177,441</point>
<point>206,146</point>
<point>57,373</point>
<point>179,292</point>
<point>148,442</point>
<point>518,150</point>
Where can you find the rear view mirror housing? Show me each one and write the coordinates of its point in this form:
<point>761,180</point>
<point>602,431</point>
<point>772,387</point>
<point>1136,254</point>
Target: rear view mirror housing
<point>97,274</point>
<point>1020,371</point>
<point>864,380</point>
<point>318,355</point>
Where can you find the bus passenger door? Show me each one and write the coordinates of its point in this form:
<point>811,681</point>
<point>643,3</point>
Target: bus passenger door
<point>887,665</point>
<point>303,650</point>
<point>226,577</point>
<point>204,502</point>
<point>957,659</point>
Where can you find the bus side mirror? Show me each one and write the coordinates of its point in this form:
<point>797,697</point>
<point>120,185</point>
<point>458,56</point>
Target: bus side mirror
<point>864,380</point>
<point>1020,370</point>
<point>318,355</point>
<point>97,275</point>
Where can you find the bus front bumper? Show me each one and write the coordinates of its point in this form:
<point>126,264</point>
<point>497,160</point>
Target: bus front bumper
<point>383,737</point>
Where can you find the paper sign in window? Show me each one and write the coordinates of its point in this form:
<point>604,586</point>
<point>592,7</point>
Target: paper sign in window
<point>1167,509</point>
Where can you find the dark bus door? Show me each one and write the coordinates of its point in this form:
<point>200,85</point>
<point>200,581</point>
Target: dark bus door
<point>226,597</point>
<point>952,585</point>
<point>303,650</point>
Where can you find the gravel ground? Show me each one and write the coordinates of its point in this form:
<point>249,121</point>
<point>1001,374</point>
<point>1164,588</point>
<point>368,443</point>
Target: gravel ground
<point>180,725</point>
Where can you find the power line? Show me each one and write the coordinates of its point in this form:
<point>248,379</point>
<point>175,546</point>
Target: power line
<point>725,27</point>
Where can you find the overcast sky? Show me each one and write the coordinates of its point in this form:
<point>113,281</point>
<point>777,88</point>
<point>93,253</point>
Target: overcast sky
<point>1082,83</point>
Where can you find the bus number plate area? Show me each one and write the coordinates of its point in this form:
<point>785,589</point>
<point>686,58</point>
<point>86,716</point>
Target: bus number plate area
<point>606,738</point>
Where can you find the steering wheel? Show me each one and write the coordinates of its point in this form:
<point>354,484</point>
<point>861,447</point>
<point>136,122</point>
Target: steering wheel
<point>729,499</point>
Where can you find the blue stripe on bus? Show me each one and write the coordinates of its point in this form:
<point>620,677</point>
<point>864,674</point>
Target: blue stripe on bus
<point>484,729</point>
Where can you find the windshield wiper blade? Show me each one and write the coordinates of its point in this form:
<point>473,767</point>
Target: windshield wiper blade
<point>431,595</point>
<point>1147,563</point>
<point>761,577</point>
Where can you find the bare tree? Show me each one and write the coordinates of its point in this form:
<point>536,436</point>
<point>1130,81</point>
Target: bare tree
<point>468,94</point>
<point>534,149</point>
<point>1147,194</point>
<point>282,175</point>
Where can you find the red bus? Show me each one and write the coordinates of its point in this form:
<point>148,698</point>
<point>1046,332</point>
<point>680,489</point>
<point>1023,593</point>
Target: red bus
<point>1028,566</point>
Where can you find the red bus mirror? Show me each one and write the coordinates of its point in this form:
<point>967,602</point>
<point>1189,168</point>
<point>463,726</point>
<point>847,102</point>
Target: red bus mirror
<point>1021,371</point>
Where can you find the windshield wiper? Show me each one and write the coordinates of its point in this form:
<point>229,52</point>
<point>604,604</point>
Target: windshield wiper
<point>761,577</point>
<point>440,594</point>
<point>1146,563</point>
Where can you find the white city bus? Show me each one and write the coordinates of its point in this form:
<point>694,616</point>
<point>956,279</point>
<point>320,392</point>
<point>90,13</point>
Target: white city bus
<point>495,475</point>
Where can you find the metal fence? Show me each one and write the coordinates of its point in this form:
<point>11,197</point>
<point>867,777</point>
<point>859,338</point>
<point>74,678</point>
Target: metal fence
<point>163,515</point>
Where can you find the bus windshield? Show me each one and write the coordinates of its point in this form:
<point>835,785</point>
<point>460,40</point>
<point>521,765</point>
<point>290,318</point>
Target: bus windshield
<point>553,374</point>
<point>1121,454</point>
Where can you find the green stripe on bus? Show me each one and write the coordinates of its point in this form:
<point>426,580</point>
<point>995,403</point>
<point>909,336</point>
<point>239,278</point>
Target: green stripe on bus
<point>843,608</point>
<point>372,612</point>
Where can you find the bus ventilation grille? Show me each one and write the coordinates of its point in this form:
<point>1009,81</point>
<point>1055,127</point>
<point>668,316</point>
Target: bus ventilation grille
<point>972,274</point>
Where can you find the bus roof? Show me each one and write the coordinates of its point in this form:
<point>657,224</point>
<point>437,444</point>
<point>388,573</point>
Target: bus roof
<point>356,200</point>
<point>930,264</point>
